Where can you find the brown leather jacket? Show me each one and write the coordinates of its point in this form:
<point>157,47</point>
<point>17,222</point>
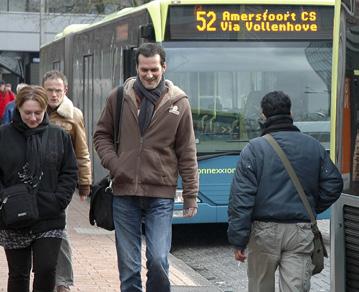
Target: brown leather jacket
<point>149,165</point>
<point>70,118</point>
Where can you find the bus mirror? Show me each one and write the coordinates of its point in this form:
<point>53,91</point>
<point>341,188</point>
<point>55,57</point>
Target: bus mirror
<point>129,62</point>
<point>147,32</point>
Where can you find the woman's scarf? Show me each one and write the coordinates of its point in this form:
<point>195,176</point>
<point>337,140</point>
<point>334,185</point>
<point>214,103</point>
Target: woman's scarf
<point>31,173</point>
<point>149,98</point>
<point>278,123</point>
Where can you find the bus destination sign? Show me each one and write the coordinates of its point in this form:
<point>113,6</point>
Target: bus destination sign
<point>241,22</point>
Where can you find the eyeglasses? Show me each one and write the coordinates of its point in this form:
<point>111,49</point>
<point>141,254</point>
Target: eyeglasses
<point>51,90</point>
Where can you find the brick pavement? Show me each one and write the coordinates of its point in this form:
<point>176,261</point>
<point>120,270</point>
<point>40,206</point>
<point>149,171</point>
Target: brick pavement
<point>94,259</point>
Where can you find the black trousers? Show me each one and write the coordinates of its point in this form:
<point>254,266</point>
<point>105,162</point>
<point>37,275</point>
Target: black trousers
<point>43,252</point>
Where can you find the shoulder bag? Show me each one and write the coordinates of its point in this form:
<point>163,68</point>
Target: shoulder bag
<point>18,208</point>
<point>100,213</point>
<point>18,205</point>
<point>319,251</point>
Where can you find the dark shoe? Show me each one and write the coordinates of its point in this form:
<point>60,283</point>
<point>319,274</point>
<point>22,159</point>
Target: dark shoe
<point>62,289</point>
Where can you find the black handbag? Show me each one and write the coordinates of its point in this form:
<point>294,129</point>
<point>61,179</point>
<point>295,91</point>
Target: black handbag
<point>100,213</point>
<point>18,207</point>
<point>319,251</point>
<point>101,204</point>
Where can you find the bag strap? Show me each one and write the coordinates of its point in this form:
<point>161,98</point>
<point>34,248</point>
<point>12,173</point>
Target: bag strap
<point>44,140</point>
<point>118,114</point>
<point>288,166</point>
<point>43,148</point>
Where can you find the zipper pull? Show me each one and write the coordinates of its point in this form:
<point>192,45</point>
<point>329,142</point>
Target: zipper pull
<point>109,186</point>
<point>3,202</point>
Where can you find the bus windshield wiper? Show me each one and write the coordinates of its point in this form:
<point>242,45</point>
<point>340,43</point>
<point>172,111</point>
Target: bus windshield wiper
<point>217,154</point>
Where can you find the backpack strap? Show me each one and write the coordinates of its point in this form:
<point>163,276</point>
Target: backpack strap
<point>118,114</point>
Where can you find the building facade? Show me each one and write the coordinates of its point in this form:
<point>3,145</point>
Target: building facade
<point>28,24</point>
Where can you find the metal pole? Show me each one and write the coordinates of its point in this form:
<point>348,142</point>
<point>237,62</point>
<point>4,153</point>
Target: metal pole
<point>42,22</point>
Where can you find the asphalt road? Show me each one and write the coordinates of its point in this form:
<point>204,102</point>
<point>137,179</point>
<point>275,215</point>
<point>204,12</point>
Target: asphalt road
<point>205,248</point>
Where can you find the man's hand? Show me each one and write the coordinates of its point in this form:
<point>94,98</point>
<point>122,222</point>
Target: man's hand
<point>84,192</point>
<point>190,212</point>
<point>239,255</point>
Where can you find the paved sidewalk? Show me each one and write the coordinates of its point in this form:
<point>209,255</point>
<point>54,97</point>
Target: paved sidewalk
<point>213,259</point>
<point>95,263</point>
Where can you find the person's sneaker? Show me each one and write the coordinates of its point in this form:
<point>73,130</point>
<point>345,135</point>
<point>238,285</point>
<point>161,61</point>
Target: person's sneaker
<point>62,289</point>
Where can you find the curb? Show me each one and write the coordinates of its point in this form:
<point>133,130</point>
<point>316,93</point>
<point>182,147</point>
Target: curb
<point>202,284</point>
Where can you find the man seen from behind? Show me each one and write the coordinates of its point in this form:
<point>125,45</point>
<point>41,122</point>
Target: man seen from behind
<point>267,219</point>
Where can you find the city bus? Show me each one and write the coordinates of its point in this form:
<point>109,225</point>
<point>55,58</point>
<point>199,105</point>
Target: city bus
<point>226,55</point>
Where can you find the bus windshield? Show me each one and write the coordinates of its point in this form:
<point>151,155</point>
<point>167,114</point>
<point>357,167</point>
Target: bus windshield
<point>225,82</point>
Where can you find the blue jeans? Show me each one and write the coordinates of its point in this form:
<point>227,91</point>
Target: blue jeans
<point>156,213</point>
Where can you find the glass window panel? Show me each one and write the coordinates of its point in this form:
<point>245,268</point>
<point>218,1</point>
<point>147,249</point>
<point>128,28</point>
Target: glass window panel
<point>18,5</point>
<point>225,83</point>
<point>4,5</point>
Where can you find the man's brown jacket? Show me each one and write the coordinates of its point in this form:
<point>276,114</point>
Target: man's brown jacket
<point>149,165</point>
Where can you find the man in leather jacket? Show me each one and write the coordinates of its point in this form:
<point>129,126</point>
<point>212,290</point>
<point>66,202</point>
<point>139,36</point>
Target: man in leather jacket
<point>63,113</point>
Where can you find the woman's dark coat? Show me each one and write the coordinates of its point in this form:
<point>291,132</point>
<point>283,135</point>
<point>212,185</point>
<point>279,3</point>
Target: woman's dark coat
<point>59,172</point>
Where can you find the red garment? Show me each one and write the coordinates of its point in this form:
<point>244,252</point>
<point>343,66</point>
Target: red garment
<point>5,98</point>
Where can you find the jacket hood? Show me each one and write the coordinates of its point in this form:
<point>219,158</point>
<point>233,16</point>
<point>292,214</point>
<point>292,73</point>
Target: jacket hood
<point>66,108</point>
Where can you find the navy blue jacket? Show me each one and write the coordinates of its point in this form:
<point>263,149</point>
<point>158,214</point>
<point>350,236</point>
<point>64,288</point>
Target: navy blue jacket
<point>262,189</point>
<point>8,112</point>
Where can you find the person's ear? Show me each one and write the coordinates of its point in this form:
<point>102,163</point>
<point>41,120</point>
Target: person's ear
<point>262,120</point>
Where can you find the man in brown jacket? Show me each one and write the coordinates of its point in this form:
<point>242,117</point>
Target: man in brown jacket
<point>63,113</point>
<point>156,144</point>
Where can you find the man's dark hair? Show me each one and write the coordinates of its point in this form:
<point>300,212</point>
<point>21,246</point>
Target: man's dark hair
<point>149,50</point>
<point>276,103</point>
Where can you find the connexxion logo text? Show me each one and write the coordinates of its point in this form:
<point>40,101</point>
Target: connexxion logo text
<point>216,170</point>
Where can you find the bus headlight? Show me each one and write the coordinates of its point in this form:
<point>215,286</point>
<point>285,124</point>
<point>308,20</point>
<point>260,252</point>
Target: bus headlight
<point>179,197</point>
<point>178,213</point>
